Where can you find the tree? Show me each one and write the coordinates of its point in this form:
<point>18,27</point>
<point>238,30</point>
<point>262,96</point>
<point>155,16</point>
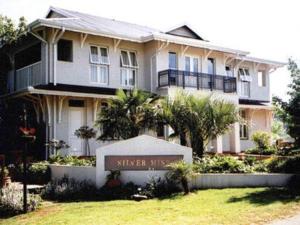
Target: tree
<point>289,111</point>
<point>9,32</point>
<point>200,118</point>
<point>127,115</point>
<point>86,133</point>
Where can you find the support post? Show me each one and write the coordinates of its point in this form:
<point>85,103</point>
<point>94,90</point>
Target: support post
<point>235,144</point>
<point>25,163</point>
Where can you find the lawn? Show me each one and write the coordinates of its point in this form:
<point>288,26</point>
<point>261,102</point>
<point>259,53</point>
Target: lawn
<point>224,206</point>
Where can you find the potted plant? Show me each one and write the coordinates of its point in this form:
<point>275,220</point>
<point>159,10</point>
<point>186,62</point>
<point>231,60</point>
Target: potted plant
<point>5,178</point>
<point>57,145</point>
<point>86,133</point>
<point>113,179</point>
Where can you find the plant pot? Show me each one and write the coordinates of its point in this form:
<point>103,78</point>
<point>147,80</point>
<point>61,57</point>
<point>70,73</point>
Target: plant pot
<point>6,181</point>
<point>113,183</point>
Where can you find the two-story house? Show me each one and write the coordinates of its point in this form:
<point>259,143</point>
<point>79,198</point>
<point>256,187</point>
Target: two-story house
<point>72,62</point>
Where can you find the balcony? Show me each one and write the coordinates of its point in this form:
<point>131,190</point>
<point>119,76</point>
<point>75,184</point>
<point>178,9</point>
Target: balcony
<point>199,81</point>
<point>30,75</point>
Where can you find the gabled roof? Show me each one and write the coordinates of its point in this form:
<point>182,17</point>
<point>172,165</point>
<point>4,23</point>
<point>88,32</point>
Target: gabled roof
<point>185,31</point>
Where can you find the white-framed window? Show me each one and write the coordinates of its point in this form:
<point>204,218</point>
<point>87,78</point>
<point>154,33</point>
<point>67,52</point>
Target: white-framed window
<point>244,133</point>
<point>229,71</point>
<point>99,55</point>
<point>245,88</point>
<point>191,64</point>
<point>99,74</point>
<point>128,59</point>
<point>99,67</point>
<point>261,78</point>
<point>244,74</point>
<point>129,67</point>
<point>173,60</point>
<point>128,77</point>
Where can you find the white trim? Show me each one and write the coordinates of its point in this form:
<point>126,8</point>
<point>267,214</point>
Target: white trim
<point>99,54</point>
<point>98,74</point>
<point>28,66</point>
<point>130,65</point>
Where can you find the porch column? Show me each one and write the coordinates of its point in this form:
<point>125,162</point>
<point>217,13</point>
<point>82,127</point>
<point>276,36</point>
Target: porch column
<point>218,144</point>
<point>234,138</point>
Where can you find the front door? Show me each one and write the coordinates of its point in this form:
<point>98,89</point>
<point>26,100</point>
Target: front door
<point>76,120</point>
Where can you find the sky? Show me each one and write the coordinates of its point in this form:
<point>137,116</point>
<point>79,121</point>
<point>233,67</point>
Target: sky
<point>268,29</point>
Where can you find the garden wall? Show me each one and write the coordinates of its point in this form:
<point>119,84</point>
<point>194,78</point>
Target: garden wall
<point>79,173</point>
<point>239,180</point>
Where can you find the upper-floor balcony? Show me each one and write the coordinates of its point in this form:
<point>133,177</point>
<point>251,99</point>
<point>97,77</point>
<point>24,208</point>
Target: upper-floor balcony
<point>187,79</point>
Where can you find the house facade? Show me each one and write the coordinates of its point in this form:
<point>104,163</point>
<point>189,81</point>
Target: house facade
<point>71,63</point>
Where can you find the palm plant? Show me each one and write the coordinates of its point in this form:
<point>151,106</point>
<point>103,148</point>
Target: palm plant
<point>198,118</point>
<point>86,133</point>
<point>127,115</point>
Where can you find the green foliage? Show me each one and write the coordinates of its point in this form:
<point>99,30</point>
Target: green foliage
<point>284,165</point>
<point>9,32</point>
<point>69,190</point>
<point>278,131</point>
<point>180,173</point>
<point>259,151</point>
<point>127,115</point>
<point>39,173</point>
<point>86,133</point>
<point>11,200</point>
<point>73,161</point>
<point>199,118</point>
<point>289,111</point>
<point>261,139</point>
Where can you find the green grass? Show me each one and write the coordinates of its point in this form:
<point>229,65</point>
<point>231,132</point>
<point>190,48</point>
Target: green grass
<point>225,206</point>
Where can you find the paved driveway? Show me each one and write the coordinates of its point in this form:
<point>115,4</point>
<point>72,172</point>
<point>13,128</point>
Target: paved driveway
<point>295,220</point>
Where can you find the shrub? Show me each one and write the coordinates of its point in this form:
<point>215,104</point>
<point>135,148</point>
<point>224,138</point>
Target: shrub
<point>180,172</point>
<point>284,165</point>
<point>39,173</point>
<point>220,164</point>
<point>261,151</point>
<point>261,139</point>
<point>294,184</point>
<point>73,161</point>
<point>11,200</point>
<point>67,189</point>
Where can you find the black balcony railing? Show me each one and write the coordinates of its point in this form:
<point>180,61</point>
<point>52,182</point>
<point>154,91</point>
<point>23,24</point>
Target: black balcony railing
<point>188,79</point>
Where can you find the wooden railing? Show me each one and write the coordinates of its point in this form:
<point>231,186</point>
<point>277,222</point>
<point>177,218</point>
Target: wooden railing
<point>30,75</point>
<point>196,80</point>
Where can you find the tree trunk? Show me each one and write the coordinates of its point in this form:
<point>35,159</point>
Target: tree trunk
<point>183,139</point>
<point>197,144</point>
<point>185,185</point>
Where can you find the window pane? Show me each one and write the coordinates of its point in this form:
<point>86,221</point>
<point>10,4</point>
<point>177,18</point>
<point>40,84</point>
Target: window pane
<point>123,77</point>
<point>64,50</point>
<point>103,75</point>
<point>125,59</point>
<point>247,72</point>
<point>104,55</point>
<point>241,72</point>
<point>210,66</point>
<point>228,71</point>
<point>172,60</point>
<point>187,64</point>
<point>94,54</point>
<point>195,65</point>
<point>245,88</point>
<point>133,59</point>
<point>132,78</point>
<point>94,77</point>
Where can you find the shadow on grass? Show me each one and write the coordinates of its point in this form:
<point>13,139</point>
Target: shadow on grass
<point>268,196</point>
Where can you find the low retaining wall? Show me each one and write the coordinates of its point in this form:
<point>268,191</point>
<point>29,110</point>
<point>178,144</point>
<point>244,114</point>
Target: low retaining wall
<point>79,173</point>
<point>239,180</point>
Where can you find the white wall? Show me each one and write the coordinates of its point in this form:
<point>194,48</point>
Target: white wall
<point>141,145</point>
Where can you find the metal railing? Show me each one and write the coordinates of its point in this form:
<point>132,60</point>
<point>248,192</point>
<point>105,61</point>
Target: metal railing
<point>30,75</point>
<point>196,80</point>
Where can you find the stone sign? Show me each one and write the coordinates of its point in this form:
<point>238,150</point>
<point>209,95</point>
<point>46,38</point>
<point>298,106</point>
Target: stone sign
<point>139,162</point>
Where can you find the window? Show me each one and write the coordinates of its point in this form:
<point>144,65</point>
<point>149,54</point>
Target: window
<point>210,66</point>
<point>76,103</point>
<point>128,77</point>
<point>245,89</point>
<point>99,74</point>
<point>128,68</point>
<point>261,76</point>
<point>99,65</point>
<point>243,125</point>
<point>64,50</point>
<point>244,72</point>
<point>172,60</point>
<point>99,55</point>
<point>128,59</point>
<point>191,64</point>
<point>228,70</point>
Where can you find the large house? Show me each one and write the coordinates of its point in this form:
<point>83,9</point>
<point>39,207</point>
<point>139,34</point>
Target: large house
<point>72,62</point>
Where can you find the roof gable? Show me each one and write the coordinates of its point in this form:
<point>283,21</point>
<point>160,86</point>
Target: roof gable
<point>185,31</point>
